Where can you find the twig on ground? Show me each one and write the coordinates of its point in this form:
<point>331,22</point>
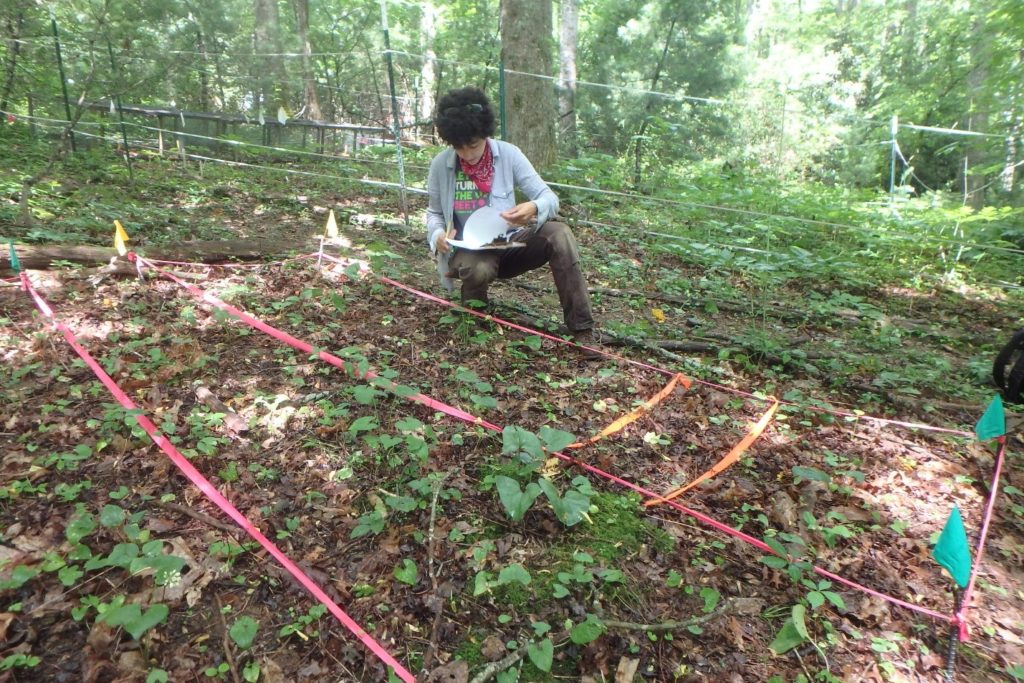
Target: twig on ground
<point>494,668</point>
<point>428,656</point>
<point>227,643</point>
<point>196,514</point>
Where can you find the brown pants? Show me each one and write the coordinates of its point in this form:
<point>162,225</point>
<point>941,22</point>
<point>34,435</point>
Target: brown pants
<point>553,243</point>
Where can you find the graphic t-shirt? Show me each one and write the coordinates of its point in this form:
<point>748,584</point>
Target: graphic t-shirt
<point>468,198</point>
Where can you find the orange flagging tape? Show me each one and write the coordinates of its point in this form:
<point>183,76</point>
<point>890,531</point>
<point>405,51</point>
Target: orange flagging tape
<point>730,457</point>
<point>635,414</point>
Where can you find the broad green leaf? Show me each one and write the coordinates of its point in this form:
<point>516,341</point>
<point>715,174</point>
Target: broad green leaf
<point>516,441</point>
<point>811,474</point>
<point>555,439</point>
<point>816,599</point>
<point>80,526</point>
<point>787,638</point>
<point>514,572</point>
<point>798,614</point>
<point>586,631</point>
<point>482,583</point>
<point>836,599</point>
<point>243,631</point>
<point>515,501</point>
<point>541,654</point>
<point>710,597</point>
<point>407,572</point>
<point>365,423</point>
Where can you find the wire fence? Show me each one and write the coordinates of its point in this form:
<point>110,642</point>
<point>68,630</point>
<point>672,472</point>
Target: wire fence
<point>224,118</point>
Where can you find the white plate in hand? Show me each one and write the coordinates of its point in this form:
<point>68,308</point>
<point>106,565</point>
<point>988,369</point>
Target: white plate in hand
<point>483,227</point>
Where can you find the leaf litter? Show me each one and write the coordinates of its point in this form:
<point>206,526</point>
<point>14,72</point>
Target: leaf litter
<point>342,475</point>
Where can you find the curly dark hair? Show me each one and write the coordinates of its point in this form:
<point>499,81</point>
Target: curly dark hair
<point>464,115</point>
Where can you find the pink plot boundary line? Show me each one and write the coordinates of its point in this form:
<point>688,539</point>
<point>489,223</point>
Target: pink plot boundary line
<point>961,616</point>
<point>209,490</point>
<point>365,268</point>
<point>471,419</point>
<point>655,368</point>
<point>306,347</point>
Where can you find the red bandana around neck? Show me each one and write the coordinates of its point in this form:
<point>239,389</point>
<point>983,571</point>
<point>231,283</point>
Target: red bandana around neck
<point>482,172</point>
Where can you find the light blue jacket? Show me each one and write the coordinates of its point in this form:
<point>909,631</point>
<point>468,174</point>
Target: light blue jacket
<point>511,170</point>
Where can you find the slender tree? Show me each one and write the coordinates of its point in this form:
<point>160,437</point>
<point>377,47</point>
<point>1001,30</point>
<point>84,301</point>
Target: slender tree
<point>14,25</point>
<point>310,97</point>
<point>428,70</point>
<point>569,41</point>
<point>526,51</point>
<point>268,60</point>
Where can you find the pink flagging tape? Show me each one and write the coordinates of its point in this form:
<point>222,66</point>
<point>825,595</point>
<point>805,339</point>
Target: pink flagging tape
<point>471,419</point>
<point>364,267</point>
<point>521,328</point>
<point>305,347</point>
<point>210,491</point>
<point>664,371</point>
<point>965,604</point>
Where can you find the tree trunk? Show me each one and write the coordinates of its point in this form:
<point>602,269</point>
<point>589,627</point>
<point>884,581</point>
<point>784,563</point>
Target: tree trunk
<point>526,48</point>
<point>978,118</point>
<point>13,47</point>
<point>1010,167</point>
<point>649,107</point>
<point>267,44</point>
<point>204,78</point>
<point>569,34</point>
<point>908,49</point>
<point>428,70</point>
<point>312,101</point>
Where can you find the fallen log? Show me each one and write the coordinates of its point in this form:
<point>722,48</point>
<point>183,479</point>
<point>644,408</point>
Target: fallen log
<point>44,256</point>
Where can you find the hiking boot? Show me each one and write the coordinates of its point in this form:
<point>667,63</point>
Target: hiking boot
<point>589,344</point>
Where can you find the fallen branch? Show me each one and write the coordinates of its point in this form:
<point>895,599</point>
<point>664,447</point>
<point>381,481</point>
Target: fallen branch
<point>41,257</point>
<point>196,514</point>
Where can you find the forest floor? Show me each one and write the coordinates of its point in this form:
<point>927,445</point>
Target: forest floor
<point>114,568</point>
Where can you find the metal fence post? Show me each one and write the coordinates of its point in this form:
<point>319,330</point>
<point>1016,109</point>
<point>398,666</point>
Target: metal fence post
<point>396,122</point>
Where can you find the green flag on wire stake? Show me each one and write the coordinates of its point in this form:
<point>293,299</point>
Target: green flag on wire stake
<point>951,551</point>
<point>993,423</point>
<point>15,263</point>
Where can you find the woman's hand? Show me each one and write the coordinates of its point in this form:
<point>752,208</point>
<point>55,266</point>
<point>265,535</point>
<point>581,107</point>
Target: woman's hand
<point>441,243</point>
<point>520,215</point>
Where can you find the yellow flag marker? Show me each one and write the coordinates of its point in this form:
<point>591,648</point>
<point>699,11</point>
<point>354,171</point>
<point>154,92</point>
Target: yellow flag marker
<point>658,314</point>
<point>120,237</point>
<point>332,226</point>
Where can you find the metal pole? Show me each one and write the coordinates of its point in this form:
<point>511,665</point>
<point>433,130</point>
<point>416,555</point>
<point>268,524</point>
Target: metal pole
<point>501,99</point>
<point>394,109</point>
<point>892,156</point>
<point>63,81</point>
<point>120,116</point>
<point>954,638</point>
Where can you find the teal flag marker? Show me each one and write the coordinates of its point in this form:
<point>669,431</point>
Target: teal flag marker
<point>993,423</point>
<point>952,551</point>
<point>15,263</point>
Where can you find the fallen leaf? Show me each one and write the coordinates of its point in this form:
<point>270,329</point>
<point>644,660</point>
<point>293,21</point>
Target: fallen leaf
<point>452,672</point>
<point>493,648</point>
<point>626,670</point>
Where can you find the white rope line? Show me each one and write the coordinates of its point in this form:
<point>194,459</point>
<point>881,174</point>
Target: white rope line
<point>640,91</point>
<point>225,141</point>
<point>951,131</point>
<point>712,207</point>
<point>115,138</point>
<point>795,219</point>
